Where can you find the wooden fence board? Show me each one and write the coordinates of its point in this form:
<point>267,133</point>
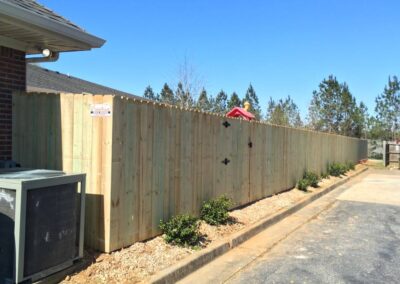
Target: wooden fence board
<point>148,162</point>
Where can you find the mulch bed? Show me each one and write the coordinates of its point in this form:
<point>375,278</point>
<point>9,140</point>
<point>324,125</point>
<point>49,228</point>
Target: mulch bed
<point>138,262</point>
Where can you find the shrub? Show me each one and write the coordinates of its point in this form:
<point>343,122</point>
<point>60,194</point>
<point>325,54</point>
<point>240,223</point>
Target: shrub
<point>350,165</point>
<point>303,184</point>
<point>337,169</point>
<point>312,178</point>
<point>324,175</point>
<point>215,212</point>
<point>182,230</point>
<point>376,156</point>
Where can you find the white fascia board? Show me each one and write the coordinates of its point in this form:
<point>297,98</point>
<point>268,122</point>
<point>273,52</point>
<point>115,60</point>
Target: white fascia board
<point>32,18</point>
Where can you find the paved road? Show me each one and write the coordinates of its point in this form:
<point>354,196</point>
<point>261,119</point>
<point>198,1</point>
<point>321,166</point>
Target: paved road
<point>355,241</point>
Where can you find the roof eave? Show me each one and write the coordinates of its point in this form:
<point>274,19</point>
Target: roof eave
<point>21,15</point>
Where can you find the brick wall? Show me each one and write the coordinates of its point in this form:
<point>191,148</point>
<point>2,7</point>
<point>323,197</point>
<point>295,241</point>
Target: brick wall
<point>12,77</point>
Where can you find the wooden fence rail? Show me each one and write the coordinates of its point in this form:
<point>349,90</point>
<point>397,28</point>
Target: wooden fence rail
<point>146,162</point>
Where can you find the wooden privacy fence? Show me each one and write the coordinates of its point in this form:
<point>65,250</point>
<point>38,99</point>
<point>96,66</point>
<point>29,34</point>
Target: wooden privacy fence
<point>391,152</point>
<point>146,161</point>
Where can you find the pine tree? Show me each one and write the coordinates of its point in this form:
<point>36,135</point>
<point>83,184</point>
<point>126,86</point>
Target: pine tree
<point>298,122</point>
<point>219,105</point>
<point>149,94</point>
<point>167,95</point>
<point>388,107</point>
<point>183,96</point>
<point>284,112</point>
<point>347,112</point>
<point>234,101</point>
<point>360,117</point>
<point>180,94</point>
<point>203,103</point>
<point>275,113</point>
<point>376,129</point>
<point>252,98</point>
<point>334,109</point>
<point>325,108</point>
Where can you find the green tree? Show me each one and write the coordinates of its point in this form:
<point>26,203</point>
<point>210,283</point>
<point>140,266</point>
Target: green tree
<point>275,113</point>
<point>388,107</point>
<point>347,114</point>
<point>167,95</point>
<point>180,94</point>
<point>324,113</point>
<point>334,109</point>
<point>252,98</point>
<point>376,129</point>
<point>284,112</point>
<point>220,103</point>
<point>149,94</point>
<point>360,120</point>
<point>203,103</point>
<point>183,96</point>
<point>234,101</point>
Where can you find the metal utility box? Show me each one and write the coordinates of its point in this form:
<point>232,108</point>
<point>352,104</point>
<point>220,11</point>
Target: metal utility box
<point>41,222</point>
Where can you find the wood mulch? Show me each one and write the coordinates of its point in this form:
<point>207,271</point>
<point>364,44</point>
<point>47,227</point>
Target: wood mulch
<point>138,262</point>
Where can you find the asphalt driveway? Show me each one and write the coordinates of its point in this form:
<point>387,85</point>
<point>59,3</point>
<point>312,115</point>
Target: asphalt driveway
<point>356,241</point>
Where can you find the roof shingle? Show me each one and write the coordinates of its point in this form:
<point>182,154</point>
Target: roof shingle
<point>35,7</point>
<point>44,80</point>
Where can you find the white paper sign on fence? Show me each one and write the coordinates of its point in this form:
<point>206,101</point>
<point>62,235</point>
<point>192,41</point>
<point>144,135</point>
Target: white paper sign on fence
<point>100,110</point>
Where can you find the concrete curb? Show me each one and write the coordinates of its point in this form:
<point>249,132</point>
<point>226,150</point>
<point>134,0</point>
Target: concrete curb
<point>197,260</point>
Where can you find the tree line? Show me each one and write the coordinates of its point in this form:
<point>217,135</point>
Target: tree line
<point>333,108</point>
<point>220,103</point>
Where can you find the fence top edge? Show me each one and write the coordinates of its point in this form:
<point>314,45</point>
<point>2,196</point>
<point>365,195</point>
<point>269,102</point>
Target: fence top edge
<point>192,110</point>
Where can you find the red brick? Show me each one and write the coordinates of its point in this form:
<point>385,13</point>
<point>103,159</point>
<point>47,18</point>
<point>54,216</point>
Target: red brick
<point>12,78</point>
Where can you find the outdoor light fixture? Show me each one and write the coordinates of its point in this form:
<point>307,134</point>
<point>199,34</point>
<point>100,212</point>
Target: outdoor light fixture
<point>47,56</point>
<point>46,52</point>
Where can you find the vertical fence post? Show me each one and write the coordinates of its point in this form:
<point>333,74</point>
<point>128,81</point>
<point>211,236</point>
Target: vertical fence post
<point>384,153</point>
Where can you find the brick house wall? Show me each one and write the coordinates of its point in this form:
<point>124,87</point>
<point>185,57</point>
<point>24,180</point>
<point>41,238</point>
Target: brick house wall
<point>12,77</point>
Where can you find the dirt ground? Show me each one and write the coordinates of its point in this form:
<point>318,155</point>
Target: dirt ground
<point>378,164</point>
<point>138,262</point>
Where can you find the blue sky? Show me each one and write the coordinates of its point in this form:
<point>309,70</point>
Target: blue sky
<point>281,47</point>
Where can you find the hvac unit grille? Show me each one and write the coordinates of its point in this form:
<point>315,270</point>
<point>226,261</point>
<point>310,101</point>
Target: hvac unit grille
<point>52,227</point>
<point>7,250</point>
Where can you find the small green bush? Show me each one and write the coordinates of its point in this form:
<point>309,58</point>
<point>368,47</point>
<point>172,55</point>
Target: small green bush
<point>324,175</point>
<point>182,230</point>
<point>337,169</point>
<point>312,178</point>
<point>215,211</point>
<point>303,184</point>
<point>350,165</point>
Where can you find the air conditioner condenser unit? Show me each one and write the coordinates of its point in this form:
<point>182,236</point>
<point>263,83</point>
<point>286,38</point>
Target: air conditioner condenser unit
<point>41,223</point>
